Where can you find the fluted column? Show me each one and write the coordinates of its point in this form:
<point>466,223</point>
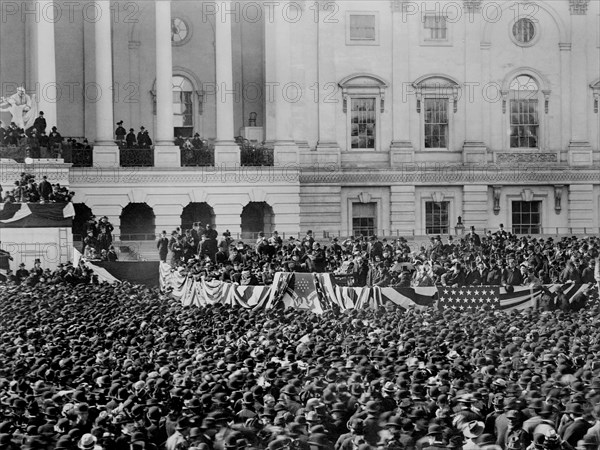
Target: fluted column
<point>286,151</point>
<point>401,149</point>
<point>226,151</point>
<point>166,154</point>
<point>474,149</point>
<point>580,150</point>
<point>328,148</point>
<point>106,153</point>
<point>46,64</point>
<point>164,74</point>
<point>104,79</point>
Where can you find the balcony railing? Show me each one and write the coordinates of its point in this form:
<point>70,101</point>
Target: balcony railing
<point>136,157</point>
<point>254,154</point>
<point>20,152</point>
<point>195,157</point>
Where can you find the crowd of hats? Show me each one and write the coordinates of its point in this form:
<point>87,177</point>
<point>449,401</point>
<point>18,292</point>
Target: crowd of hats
<point>383,262</point>
<point>100,366</point>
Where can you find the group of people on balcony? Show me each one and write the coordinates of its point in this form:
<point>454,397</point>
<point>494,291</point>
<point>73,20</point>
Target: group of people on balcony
<point>26,190</point>
<point>131,140</point>
<point>33,138</point>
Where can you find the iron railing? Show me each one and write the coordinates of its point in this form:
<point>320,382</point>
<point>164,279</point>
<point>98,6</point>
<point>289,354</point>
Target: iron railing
<point>195,157</point>
<point>254,154</point>
<point>136,157</point>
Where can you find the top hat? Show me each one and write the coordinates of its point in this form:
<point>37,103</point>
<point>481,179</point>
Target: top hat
<point>120,122</point>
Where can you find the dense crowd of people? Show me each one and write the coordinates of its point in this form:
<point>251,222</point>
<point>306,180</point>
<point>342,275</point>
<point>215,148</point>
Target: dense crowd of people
<point>93,366</point>
<point>497,258</point>
<point>27,190</point>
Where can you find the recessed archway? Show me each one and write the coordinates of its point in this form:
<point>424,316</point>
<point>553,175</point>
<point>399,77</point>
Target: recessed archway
<point>83,213</point>
<point>137,223</point>
<point>257,217</point>
<point>197,212</point>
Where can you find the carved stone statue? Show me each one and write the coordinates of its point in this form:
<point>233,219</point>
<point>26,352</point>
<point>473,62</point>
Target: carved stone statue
<point>22,108</point>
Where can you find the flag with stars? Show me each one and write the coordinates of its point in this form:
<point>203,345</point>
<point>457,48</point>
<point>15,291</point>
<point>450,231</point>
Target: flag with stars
<point>302,294</point>
<point>467,298</point>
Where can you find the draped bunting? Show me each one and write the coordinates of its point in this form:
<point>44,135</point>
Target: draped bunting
<point>36,215</point>
<point>318,292</point>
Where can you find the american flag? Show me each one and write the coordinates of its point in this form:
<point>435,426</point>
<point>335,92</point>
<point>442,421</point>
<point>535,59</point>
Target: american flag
<point>467,298</point>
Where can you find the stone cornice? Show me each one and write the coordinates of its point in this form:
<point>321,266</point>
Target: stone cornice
<point>456,174</point>
<point>418,173</point>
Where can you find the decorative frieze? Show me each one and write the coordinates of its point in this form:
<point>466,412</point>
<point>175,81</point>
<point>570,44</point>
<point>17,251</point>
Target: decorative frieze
<point>507,158</point>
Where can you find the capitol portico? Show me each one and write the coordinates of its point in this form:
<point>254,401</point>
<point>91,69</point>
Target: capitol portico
<point>386,117</point>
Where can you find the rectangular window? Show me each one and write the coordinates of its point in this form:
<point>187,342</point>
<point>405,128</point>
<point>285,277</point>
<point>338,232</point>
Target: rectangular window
<point>436,217</point>
<point>524,124</point>
<point>364,219</point>
<point>526,217</point>
<point>362,123</point>
<point>436,122</point>
<point>362,27</point>
<point>436,28</point>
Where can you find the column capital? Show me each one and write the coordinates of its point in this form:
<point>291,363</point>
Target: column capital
<point>578,7</point>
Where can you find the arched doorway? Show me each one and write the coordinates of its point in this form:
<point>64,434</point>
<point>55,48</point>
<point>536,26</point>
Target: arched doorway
<point>83,213</point>
<point>257,217</point>
<point>197,212</point>
<point>137,223</point>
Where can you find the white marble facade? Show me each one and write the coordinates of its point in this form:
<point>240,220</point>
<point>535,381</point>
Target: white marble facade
<point>305,68</point>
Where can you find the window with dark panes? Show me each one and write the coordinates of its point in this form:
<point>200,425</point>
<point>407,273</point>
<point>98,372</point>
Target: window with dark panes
<point>364,219</point>
<point>524,120</point>
<point>362,123</point>
<point>526,217</point>
<point>436,217</point>
<point>436,123</point>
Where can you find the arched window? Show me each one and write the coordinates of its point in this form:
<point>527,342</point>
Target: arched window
<point>363,102</point>
<point>437,101</point>
<point>137,222</point>
<point>197,212</point>
<point>183,107</point>
<point>257,217</point>
<point>524,116</point>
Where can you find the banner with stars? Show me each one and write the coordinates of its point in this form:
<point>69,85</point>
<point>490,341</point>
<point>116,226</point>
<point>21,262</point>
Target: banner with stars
<point>469,297</point>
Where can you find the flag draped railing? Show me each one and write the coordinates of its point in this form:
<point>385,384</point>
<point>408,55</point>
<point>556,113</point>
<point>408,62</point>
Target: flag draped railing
<point>318,292</point>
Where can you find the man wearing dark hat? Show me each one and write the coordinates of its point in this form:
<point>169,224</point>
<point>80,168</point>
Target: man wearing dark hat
<point>179,438</point>
<point>40,122</point>
<point>44,189</point>
<point>354,438</point>
<point>516,436</point>
<point>163,246</point>
<point>130,139</point>
<point>120,132</point>
<point>577,429</point>
<point>54,141</point>
<point>22,273</point>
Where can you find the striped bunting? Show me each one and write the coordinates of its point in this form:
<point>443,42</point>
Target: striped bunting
<point>318,292</point>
